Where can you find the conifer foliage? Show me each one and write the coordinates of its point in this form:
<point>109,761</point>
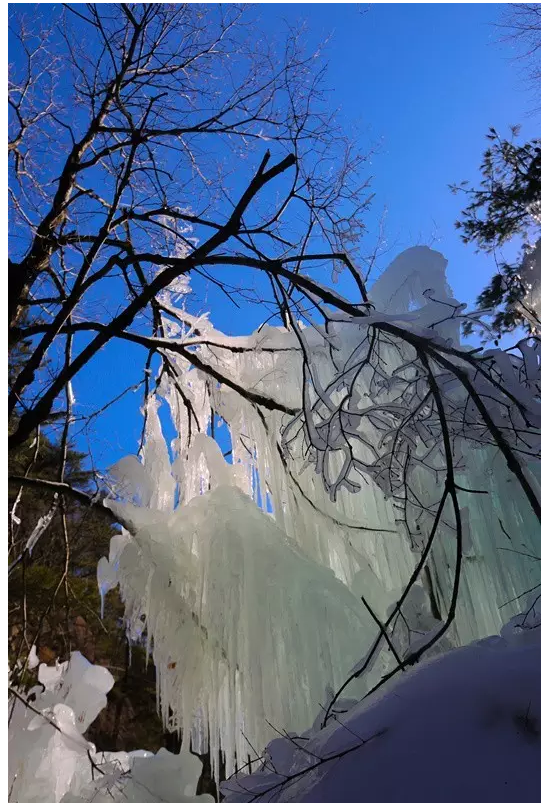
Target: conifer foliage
<point>506,205</point>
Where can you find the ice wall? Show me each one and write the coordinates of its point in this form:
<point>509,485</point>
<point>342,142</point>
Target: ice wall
<point>245,578</point>
<point>502,539</point>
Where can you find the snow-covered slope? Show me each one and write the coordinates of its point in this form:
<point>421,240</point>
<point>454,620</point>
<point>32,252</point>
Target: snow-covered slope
<point>464,727</point>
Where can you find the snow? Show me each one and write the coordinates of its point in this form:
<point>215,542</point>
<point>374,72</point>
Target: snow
<point>530,276</point>
<point>141,776</point>
<point>32,659</point>
<point>460,727</point>
<point>464,727</point>
<point>47,750</point>
<point>403,285</point>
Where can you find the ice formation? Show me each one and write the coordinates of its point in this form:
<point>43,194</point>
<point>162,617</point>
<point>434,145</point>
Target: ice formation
<point>249,630</point>
<point>47,749</point>
<point>50,760</point>
<point>245,578</point>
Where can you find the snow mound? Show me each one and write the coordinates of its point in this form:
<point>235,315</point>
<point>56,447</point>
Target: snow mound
<point>464,727</point>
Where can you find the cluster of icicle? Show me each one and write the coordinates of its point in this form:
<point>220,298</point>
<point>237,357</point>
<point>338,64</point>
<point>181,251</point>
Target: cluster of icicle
<point>50,759</point>
<point>244,577</point>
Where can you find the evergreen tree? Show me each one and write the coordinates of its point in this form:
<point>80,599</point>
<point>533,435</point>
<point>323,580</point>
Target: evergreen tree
<point>53,600</point>
<point>507,205</point>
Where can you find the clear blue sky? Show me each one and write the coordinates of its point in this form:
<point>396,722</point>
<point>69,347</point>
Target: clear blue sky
<point>422,82</point>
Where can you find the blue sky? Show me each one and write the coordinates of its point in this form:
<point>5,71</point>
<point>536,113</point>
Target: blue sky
<point>422,83</point>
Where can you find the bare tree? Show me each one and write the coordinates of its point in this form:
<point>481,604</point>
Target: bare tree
<point>521,24</point>
<point>128,123</point>
<point>140,159</point>
<point>123,119</point>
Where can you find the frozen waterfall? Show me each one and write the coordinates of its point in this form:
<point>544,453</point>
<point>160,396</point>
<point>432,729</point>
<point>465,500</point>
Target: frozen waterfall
<point>244,576</point>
